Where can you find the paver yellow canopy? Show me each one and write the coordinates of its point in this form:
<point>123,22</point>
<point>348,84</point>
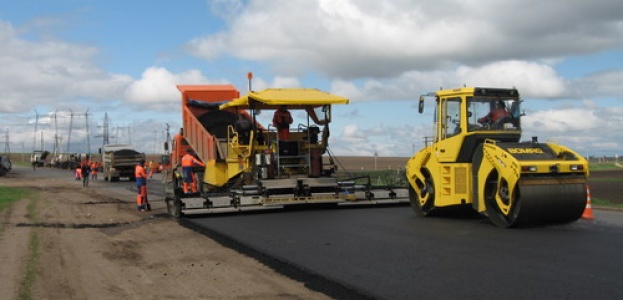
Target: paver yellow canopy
<point>293,98</point>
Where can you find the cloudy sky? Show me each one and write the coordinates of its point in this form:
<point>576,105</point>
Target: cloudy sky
<point>68,63</point>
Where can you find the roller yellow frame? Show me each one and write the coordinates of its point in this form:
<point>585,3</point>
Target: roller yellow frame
<point>475,159</point>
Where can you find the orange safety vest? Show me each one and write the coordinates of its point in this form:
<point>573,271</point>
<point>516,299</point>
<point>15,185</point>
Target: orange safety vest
<point>139,172</point>
<point>188,161</point>
<point>282,119</point>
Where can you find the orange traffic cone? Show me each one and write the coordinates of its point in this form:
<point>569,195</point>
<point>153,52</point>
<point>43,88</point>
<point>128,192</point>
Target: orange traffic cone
<point>588,211</point>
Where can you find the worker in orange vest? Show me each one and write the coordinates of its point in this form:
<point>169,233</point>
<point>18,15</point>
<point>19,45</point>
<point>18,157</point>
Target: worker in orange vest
<point>282,120</point>
<point>141,185</point>
<point>188,177</point>
<point>94,170</point>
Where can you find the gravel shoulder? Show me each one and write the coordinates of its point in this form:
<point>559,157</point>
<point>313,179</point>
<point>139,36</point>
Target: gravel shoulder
<point>92,244</point>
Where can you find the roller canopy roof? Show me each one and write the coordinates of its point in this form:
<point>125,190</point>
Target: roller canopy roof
<point>293,98</point>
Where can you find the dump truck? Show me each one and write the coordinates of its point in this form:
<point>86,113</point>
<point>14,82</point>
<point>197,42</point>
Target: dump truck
<point>476,160</point>
<point>38,158</point>
<point>247,164</point>
<point>119,160</point>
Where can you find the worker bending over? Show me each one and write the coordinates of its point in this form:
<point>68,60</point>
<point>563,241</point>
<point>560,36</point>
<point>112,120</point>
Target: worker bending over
<point>188,176</point>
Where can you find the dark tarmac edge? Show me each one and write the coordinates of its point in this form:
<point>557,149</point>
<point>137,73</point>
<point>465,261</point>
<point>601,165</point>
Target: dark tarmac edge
<point>311,280</point>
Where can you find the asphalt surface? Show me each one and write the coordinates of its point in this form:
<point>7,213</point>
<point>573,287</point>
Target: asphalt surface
<point>390,253</point>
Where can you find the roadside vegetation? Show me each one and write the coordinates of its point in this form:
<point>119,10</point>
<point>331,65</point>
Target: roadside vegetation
<point>27,284</point>
<point>603,166</point>
<point>9,195</point>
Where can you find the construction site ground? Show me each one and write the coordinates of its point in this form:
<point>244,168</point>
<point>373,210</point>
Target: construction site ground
<point>91,243</point>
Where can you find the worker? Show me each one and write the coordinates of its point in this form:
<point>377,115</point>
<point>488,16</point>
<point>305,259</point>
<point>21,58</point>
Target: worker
<point>497,113</point>
<point>188,162</point>
<point>94,167</point>
<point>78,172</point>
<point>85,172</point>
<point>282,120</point>
<point>141,186</point>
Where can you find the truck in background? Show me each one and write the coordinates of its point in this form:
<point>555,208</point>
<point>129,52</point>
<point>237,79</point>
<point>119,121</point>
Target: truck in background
<point>5,165</point>
<point>119,160</point>
<point>38,158</point>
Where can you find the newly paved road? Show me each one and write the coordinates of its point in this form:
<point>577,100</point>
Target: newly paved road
<point>390,253</point>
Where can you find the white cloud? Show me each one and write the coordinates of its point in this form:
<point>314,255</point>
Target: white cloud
<point>603,84</point>
<point>157,90</point>
<point>532,79</point>
<point>286,82</point>
<point>50,72</point>
<point>358,39</point>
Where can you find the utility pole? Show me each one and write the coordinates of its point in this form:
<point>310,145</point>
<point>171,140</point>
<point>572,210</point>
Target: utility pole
<point>71,124</point>
<point>86,117</point>
<point>34,140</point>
<point>129,135</point>
<point>7,142</point>
<point>376,155</point>
<point>106,140</point>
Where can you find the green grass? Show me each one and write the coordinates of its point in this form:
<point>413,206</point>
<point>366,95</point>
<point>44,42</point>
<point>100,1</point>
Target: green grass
<point>28,282</point>
<point>606,203</point>
<point>9,195</point>
<point>603,166</point>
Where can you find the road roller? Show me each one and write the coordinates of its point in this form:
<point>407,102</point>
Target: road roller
<point>475,161</point>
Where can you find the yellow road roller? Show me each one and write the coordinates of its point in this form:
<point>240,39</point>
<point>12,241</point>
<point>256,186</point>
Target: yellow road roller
<point>476,158</point>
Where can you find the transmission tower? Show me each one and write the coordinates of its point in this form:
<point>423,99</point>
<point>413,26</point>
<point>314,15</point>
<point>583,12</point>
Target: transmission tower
<point>86,117</point>
<point>71,124</point>
<point>7,142</point>
<point>106,140</point>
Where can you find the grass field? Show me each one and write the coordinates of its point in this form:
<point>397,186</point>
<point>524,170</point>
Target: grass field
<point>9,195</point>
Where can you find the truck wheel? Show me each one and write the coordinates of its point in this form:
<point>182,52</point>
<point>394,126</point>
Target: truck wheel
<point>423,202</point>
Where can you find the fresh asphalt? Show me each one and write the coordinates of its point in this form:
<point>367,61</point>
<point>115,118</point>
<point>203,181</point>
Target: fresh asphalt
<point>391,253</point>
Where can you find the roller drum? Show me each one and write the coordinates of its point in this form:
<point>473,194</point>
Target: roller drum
<point>538,203</point>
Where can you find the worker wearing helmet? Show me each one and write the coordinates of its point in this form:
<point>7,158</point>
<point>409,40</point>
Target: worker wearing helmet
<point>282,120</point>
<point>188,162</point>
<point>141,185</point>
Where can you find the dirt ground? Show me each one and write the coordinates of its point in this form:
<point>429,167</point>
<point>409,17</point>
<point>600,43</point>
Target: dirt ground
<point>606,185</point>
<point>94,245</point>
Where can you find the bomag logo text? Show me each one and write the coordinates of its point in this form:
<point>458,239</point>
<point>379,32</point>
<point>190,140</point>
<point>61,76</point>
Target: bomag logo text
<point>525,150</point>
